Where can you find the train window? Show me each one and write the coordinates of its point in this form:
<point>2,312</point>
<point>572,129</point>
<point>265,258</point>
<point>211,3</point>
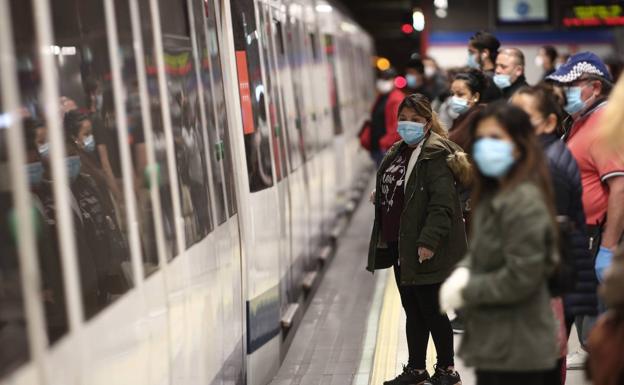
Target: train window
<point>257,133</point>
<point>219,100</point>
<point>92,154</point>
<point>186,125</point>
<point>37,149</point>
<point>215,144</point>
<point>13,336</point>
<point>136,140</point>
<point>334,99</point>
<point>279,156</point>
<point>158,132</point>
<point>296,56</point>
<point>312,37</point>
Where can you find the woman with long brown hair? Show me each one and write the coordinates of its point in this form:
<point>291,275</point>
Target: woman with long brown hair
<point>502,283</point>
<point>419,231</point>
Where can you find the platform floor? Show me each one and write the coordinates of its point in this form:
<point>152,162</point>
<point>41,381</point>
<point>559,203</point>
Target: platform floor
<point>353,332</point>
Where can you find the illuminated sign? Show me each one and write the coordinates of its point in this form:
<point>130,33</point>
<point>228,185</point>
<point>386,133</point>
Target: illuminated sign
<point>595,16</point>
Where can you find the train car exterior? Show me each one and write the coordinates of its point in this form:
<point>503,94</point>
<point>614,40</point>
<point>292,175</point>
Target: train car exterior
<point>169,173</point>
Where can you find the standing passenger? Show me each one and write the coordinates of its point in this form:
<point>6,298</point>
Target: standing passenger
<point>482,51</point>
<point>380,133</point>
<point>541,105</point>
<point>419,231</point>
<point>467,88</point>
<point>546,59</point>
<point>502,283</point>
<point>510,71</point>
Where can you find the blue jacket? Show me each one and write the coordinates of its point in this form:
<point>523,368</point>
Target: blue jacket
<point>568,195</point>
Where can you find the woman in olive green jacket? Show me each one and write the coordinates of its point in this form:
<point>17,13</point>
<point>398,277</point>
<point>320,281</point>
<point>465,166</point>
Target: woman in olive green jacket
<point>419,231</point>
<point>502,284</point>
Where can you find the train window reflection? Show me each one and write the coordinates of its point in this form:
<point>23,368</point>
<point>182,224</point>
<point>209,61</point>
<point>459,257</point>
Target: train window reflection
<point>160,146</point>
<point>92,154</point>
<point>37,151</point>
<point>13,337</point>
<point>256,128</point>
<point>220,109</point>
<point>187,132</point>
<point>216,147</point>
<point>136,140</point>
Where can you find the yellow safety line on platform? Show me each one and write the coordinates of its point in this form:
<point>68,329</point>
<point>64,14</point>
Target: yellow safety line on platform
<point>388,334</point>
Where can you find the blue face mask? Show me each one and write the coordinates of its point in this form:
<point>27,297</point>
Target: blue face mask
<point>494,157</point>
<point>575,102</point>
<point>35,173</point>
<point>472,61</point>
<point>44,150</point>
<point>502,81</point>
<point>412,81</point>
<point>459,105</point>
<point>89,143</point>
<point>73,167</point>
<point>411,132</point>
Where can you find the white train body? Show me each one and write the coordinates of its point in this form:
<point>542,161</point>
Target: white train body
<point>244,129</point>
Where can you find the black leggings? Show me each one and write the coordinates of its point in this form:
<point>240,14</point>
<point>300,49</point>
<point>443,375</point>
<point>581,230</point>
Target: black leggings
<point>422,308</point>
<point>486,377</point>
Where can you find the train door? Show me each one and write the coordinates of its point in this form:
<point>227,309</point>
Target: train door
<point>259,218</point>
<point>278,123</point>
<point>228,249</point>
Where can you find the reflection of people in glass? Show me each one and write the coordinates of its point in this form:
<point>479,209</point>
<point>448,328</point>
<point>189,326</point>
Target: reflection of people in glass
<point>13,338</point>
<point>37,152</point>
<point>100,245</point>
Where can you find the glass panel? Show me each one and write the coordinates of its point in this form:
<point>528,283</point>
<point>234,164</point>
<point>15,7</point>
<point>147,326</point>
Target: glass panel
<point>185,121</point>
<point>219,95</point>
<point>215,144</point>
<point>279,156</point>
<point>295,56</point>
<point>136,139</point>
<point>160,145</point>
<point>256,129</point>
<point>92,153</point>
<point>334,99</point>
<point>37,150</point>
<point>13,335</point>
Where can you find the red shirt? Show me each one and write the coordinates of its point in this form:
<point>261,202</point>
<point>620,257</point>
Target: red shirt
<point>596,163</point>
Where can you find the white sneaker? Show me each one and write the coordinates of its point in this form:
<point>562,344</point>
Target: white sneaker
<point>576,360</point>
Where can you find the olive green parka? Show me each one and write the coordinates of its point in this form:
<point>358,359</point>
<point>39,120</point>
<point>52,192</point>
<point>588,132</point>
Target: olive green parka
<point>432,216</point>
<point>509,323</point>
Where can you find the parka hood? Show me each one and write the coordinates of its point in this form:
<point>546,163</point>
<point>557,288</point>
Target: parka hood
<point>457,160</point>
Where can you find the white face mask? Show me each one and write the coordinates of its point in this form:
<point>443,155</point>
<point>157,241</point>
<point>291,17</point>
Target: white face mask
<point>429,72</point>
<point>384,85</point>
<point>539,61</point>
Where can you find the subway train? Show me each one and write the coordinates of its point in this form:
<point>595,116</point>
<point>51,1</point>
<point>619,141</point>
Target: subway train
<point>172,173</point>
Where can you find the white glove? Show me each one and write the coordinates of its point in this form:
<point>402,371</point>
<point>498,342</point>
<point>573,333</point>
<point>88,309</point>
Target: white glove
<point>451,291</point>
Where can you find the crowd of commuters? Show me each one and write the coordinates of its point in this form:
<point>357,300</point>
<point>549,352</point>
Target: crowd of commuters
<point>501,202</point>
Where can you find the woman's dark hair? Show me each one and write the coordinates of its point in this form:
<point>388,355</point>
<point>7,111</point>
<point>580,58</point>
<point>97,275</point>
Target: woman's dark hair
<point>30,132</point>
<point>551,53</point>
<point>485,40</point>
<point>545,100</point>
<point>421,105</point>
<point>475,80</point>
<point>530,164</point>
<point>72,122</point>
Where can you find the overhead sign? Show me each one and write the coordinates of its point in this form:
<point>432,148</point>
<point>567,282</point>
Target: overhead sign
<point>607,15</point>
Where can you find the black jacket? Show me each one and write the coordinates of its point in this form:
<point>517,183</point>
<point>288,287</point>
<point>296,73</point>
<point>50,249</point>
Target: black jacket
<point>519,83</point>
<point>568,198</point>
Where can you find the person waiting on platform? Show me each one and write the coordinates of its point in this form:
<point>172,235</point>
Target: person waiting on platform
<point>510,71</point>
<point>502,283</point>
<point>466,90</point>
<point>380,132</point>
<point>419,231</point>
<point>482,51</point>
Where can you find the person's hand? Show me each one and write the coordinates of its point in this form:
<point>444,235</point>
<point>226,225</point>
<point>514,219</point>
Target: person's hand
<point>603,261</point>
<point>451,291</point>
<point>424,254</point>
<point>371,198</point>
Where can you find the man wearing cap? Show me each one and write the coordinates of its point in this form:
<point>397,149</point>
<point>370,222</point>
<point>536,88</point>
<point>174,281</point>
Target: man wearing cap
<point>587,84</point>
